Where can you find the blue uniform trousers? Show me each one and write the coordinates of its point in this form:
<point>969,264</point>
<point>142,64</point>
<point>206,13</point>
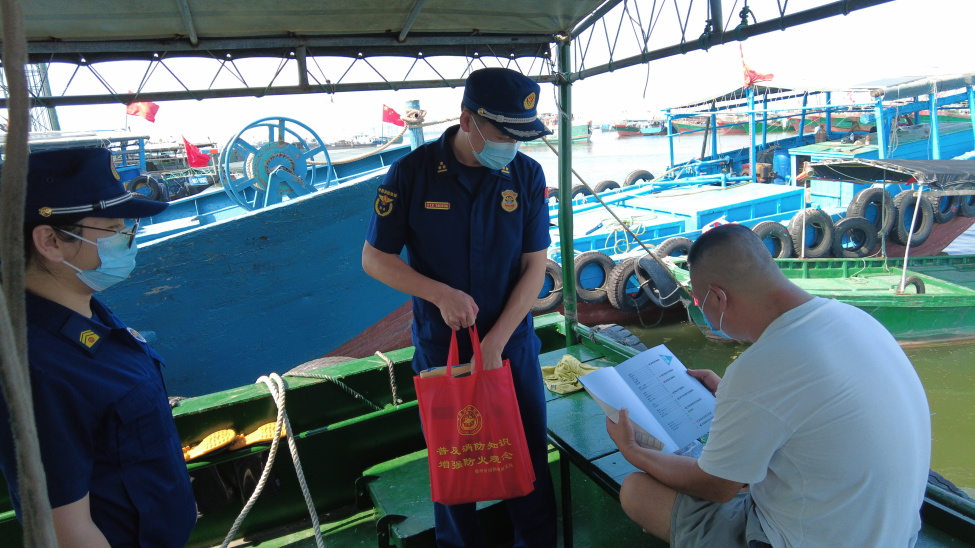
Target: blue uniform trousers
<point>533,516</point>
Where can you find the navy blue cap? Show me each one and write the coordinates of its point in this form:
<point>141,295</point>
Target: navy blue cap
<point>80,182</point>
<point>508,99</point>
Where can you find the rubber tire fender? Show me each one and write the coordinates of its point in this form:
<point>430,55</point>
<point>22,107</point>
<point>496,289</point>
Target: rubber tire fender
<point>603,186</point>
<point>966,204</point>
<point>782,248</point>
<point>158,191</point>
<point>905,203</point>
<point>818,221</point>
<point>915,281</point>
<point>621,335</point>
<point>657,282</point>
<point>882,202</point>
<point>861,232</point>
<point>552,193</point>
<point>944,214</point>
<point>678,246</point>
<point>554,297</point>
<point>580,190</point>
<point>589,259</point>
<point>637,175</point>
<point>616,288</point>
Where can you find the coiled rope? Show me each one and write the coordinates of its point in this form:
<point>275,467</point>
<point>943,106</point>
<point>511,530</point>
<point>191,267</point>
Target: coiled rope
<point>414,120</point>
<point>277,388</point>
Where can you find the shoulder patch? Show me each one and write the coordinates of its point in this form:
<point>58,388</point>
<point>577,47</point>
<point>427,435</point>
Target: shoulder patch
<point>385,200</point>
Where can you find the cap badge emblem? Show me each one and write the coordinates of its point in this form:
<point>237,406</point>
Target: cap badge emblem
<point>45,211</point>
<point>530,101</point>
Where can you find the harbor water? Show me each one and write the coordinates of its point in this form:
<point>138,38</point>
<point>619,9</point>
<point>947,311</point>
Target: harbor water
<point>946,370</point>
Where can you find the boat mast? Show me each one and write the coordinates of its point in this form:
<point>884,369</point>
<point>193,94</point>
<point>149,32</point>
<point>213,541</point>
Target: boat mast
<point>565,188</point>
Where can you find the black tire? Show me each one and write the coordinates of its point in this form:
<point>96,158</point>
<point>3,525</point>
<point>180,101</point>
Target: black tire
<point>875,205</point>
<point>657,282</point>
<point>586,263</point>
<point>637,175</point>
<point>854,237</point>
<point>775,233</point>
<point>317,363</point>
<point>580,190</point>
<point>622,297</point>
<point>552,193</point>
<point>818,227</point>
<point>915,282</point>
<point>621,335</point>
<point>150,186</point>
<point>603,186</point>
<point>945,208</point>
<point>678,246</point>
<point>966,204</point>
<point>908,206</point>
<point>553,279</point>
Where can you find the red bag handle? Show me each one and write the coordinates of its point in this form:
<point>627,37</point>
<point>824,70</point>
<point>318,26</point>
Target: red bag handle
<point>453,355</point>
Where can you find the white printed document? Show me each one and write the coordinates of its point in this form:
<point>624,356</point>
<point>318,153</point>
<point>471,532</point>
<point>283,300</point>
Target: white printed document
<point>671,410</point>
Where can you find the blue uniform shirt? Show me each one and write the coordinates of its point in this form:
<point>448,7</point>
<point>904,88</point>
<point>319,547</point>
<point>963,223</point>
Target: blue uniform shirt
<point>465,227</point>
<point>105,426</point>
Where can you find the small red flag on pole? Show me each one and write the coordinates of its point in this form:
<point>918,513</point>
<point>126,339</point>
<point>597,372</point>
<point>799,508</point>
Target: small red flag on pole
<point>752,77</point>
<point>194,157</point>
<point>146,109</point>
<point>392,117</point>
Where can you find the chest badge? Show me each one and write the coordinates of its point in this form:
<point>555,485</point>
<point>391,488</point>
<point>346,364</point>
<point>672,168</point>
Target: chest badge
<point>509,200</point>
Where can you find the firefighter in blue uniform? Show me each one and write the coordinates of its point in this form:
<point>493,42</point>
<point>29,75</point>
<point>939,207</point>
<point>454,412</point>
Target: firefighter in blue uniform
<point>112,458</point>
<point>471,212</point>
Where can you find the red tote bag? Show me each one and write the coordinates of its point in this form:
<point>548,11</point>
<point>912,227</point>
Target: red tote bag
<point>476,444</point>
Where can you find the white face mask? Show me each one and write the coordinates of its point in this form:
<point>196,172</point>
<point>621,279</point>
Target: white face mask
<point>494,155</point>
<point>117,253</point>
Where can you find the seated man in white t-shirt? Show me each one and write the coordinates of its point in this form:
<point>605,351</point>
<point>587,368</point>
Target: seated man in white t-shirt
<point>823,419</point>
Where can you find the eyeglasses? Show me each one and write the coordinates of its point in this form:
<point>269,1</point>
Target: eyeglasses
<point>130,232</point>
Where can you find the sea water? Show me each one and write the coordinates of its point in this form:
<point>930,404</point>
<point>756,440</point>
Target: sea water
<point>946,370</point>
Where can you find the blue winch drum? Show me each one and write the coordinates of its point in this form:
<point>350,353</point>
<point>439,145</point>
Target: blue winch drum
<point>782,166</point>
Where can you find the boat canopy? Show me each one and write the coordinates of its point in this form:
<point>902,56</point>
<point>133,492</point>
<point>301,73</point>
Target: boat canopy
<point>943,174</point>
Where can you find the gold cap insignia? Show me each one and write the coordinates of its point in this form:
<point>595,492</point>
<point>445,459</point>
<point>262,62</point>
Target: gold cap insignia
<point>45,211</point>
<point>114,172</point>
<point>530,101</point>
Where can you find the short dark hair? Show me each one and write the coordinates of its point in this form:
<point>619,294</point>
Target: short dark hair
<point>718,236</point>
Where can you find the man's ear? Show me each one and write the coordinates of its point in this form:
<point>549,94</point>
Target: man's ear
<point>465,120</point>
<point>47,243</point>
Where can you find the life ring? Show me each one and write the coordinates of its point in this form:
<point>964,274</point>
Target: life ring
<point>818,228</point>
<point>776,239</point>
<point>637,175</point>
<point>908,206</point>
<point>875,205</point>
<point>623,287</point>
<point>914,281</point>
<point>944,208</point>
<point>551,294</point>
<point>605,185</point>
<point>592,275</point>
<point>677,246</point>
<point>966,204</point>
<point>150,186</point>
<point>854,237</point>
<point>580,190</point>
<point>657,282</point>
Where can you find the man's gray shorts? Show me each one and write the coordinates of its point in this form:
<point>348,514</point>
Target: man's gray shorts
<point>698,523</point>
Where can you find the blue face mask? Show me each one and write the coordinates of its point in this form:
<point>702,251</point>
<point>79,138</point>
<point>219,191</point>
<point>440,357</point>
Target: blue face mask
<point>117,254</point>
<point>707,323</point>
<point>494,155</point>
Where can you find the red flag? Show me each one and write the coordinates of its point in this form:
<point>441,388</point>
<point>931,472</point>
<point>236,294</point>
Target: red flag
<point>146,109</point>
<point>752,77</point>
<point>392,117</point>
<point>194,157</point>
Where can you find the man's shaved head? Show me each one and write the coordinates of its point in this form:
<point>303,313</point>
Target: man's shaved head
<point>734,257</point>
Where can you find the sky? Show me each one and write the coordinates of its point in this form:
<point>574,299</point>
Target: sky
<point>901,38</point>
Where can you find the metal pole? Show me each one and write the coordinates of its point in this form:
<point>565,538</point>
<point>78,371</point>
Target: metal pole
<point>933,116</point>
<point>883,130</point>
<point>415,133</point>
<point>751,133</point>
<point>565,195</point>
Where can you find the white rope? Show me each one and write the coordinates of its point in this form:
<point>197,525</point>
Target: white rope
<point>277,388</point>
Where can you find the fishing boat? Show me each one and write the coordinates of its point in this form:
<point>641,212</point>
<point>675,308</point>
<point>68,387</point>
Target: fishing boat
<point>581,131</point>
<point>931,300</point>
<point>639,128</point>
<point>355,423</point>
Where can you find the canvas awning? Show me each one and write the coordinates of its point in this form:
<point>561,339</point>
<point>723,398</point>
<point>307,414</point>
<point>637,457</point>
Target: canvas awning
<point>943,174</point>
